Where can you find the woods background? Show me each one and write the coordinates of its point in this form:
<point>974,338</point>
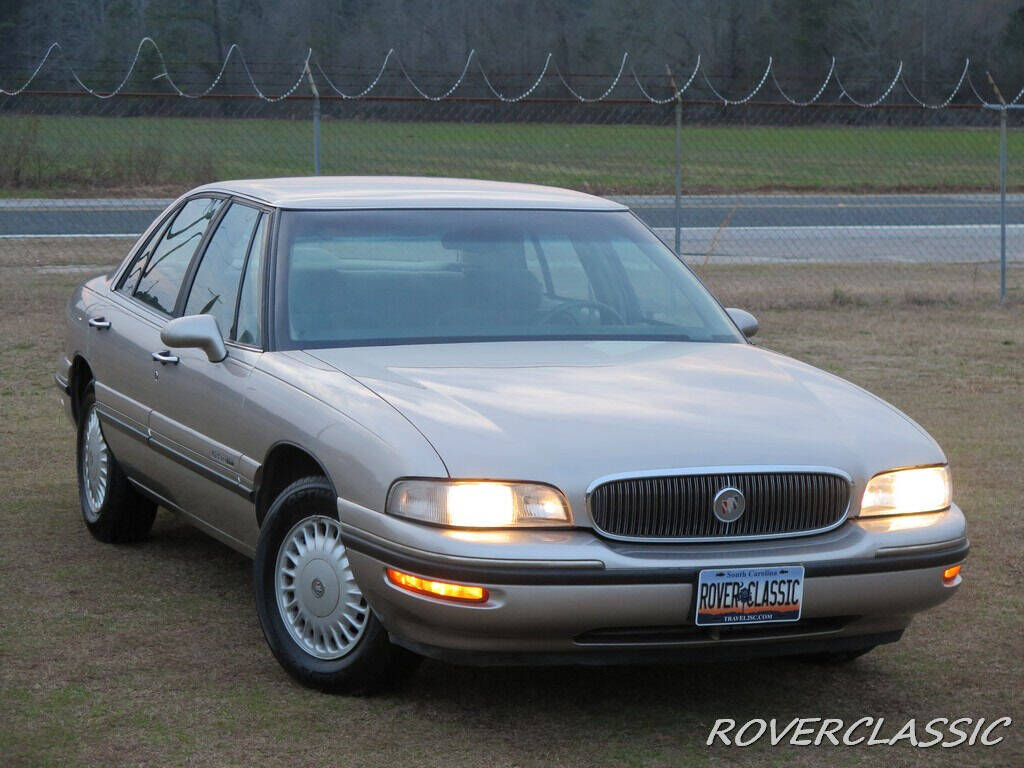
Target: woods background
<point>735,37</point>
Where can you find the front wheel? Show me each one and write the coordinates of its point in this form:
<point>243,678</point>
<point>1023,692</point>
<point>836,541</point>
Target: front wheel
<point>312,612</point>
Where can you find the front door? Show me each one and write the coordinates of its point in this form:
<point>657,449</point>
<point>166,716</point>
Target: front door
<point>197,415</point>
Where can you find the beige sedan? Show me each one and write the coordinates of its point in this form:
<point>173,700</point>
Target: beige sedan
<point>491,423</point>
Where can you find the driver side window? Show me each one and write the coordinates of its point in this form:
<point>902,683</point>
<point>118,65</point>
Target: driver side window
<point>215,287</point>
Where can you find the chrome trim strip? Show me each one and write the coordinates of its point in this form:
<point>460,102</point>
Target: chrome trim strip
<point>61,383</point>
<point>719,470</point>
<point>744,469</point>
<point>188,462</point>
<point>109,416</point>
<point>911,549</point>
<point>352,530</point>
<point>157,497</point>
<point>239,345</point>
<point>235,484</point>
<point>823,567</point>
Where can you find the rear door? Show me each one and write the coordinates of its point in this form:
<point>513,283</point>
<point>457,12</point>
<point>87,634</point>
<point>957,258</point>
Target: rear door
<point>125,325</point>
<point>197,418</point>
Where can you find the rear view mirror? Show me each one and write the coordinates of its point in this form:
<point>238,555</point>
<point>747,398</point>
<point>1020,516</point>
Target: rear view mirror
<point>746,322</point>
<point>198,331</point>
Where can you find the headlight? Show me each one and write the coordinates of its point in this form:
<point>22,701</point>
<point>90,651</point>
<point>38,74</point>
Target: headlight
<point>906,492</point>
<point>473,504</point>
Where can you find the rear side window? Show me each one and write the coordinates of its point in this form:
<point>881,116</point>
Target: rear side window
<point>165,269</point>
<point>215,287</point>
<point>130,278</point>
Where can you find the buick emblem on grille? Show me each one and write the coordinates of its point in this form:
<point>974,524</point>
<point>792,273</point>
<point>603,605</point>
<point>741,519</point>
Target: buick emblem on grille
<point>729,504</point>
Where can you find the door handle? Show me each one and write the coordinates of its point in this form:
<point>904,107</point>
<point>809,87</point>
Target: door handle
<point>165,357</point>
<point>99,323</point>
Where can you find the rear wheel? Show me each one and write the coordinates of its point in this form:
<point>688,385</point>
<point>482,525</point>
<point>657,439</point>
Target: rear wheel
<point>313,614</point>
<point>113,511</point>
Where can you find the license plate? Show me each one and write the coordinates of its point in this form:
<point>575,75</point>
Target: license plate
<point>749,595</point>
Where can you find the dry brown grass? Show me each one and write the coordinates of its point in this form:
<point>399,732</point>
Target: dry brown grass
<point>61,251</point>
<point>151,654</point>
<point>818,286</point>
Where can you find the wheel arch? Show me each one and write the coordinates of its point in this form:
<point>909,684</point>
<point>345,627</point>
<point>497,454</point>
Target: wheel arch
<point>285,463</point>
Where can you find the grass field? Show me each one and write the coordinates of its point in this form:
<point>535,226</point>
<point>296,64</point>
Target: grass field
<point>151,654</point>
<point>60,155</point>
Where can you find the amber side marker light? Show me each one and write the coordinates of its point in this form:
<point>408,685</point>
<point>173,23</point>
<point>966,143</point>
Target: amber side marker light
<point>951,576</point>
<point>442,589</point>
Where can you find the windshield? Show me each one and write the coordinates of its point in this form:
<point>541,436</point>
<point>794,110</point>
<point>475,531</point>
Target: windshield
<point>427,276</point>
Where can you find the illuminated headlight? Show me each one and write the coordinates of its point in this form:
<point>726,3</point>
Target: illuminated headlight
<point>907,492</point>
<point>473,504</point>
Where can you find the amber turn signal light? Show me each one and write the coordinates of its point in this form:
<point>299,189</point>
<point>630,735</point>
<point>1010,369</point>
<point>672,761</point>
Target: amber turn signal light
<point>442,589</point>
<point>951,575</point>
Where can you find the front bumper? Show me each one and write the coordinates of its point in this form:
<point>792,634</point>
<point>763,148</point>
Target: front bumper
<point>557,596</point>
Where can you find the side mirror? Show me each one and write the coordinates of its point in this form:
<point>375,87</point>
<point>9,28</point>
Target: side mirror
<point>747,322</point>
<point>199,331</point>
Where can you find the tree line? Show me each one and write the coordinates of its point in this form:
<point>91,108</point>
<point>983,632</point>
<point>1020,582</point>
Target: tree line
<point>512,38</point>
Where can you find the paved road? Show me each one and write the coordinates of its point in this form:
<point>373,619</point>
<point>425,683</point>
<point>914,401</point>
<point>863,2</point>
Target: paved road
<point>130,216</point>
<point>70,218</point>
<point>827,210</point>
<point>729,227</point>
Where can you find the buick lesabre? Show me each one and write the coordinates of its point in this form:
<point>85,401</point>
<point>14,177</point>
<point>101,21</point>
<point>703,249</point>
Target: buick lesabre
<point>491,423</point>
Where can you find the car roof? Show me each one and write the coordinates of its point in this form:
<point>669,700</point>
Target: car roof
<point>354,192</point>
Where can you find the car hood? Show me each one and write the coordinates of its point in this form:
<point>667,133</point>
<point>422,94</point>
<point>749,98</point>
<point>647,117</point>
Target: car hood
<point>568,412</point>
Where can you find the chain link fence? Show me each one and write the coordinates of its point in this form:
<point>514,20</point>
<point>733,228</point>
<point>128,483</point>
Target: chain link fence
<point>780,204</point>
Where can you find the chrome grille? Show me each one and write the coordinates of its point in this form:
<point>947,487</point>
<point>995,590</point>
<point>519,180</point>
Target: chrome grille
<point>778,503</point>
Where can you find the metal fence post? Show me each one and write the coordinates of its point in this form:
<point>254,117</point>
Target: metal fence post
<point>316,121</point>
<point>1002,204</point>
<point>1002,106</point>
<point>679,176</point>
<point>679,161</point>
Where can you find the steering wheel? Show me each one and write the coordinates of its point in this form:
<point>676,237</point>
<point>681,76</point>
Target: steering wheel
<point>605,310</point>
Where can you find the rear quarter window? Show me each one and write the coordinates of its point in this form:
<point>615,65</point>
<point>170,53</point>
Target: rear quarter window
<point>164,272</point>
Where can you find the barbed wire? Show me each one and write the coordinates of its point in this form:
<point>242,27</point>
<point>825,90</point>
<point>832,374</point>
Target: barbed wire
<point>876,102</point>
<point>232,49</point>
<point>608,90</point>
<point>949,99</point>
<point>989,104</point>
<point>674,96</point>
<point>549,64</point>
<point>816,96</point>
<point>524,94</point>
<point>447,93</point>
<point>367,89</point>
<point>745,99</point>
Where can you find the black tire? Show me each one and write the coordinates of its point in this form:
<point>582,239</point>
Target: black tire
<point>125,515</point>
<point>373,663</point>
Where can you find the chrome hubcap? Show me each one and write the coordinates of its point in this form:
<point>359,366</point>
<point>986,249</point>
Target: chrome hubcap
<point>317,595</point>
<point>95,466</point>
